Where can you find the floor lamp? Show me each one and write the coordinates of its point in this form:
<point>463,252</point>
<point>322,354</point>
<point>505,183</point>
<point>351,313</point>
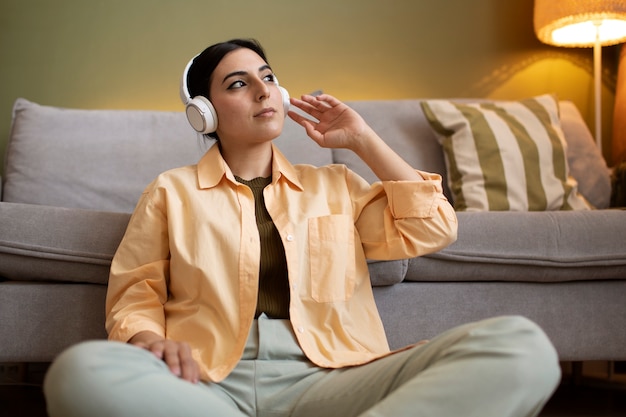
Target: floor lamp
<point>583,23</point>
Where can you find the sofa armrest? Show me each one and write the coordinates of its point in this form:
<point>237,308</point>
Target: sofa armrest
<point>44,243</point>
<point>530,247</point>
<point>384,273</point>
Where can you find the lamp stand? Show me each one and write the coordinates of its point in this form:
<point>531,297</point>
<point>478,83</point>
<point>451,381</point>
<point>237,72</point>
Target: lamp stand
<point>597,78</point>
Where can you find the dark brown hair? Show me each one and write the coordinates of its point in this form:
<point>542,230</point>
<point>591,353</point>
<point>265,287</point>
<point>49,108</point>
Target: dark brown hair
<point>199,74</point>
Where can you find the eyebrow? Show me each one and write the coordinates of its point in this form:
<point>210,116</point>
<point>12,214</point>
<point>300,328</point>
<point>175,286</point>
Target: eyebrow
<point>243,73</point>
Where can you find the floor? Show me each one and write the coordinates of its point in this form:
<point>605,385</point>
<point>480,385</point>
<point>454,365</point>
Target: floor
<point>576,397</point>
<point>586,401</point>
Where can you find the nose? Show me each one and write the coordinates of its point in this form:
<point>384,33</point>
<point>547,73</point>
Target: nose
<point>263,90</point>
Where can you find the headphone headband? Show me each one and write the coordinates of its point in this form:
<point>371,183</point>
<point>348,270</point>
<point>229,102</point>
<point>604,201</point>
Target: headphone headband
<point>184,89</point>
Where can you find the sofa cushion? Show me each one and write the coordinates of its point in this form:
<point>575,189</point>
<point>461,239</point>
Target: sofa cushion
<point>530,246</point>
<point>384,273</point>
<point>505,155</point>
<point>103,159</point>
<point>43,243</point>
<point>585,159</point>
<point>92,159</point>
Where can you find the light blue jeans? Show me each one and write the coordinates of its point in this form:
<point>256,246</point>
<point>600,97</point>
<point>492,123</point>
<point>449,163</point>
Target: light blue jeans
<point>499,367</point>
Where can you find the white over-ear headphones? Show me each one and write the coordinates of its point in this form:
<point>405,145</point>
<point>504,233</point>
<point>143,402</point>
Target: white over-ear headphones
<point>200,111</point>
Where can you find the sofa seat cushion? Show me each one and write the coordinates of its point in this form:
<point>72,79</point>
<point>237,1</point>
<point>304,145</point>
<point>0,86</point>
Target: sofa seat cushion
<point>505,155</point>
<point>40,320</point>
<point>43,243</point>
<point>530,246</point>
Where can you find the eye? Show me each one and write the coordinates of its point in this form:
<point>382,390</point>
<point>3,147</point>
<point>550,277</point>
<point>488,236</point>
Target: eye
<point>236,84</point>
<point>270,78</point>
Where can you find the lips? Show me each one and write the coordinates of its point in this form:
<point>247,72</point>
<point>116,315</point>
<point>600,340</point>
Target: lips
<point>267,112</point>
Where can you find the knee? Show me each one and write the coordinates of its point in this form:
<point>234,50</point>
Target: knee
<point>69,379</point>
<point>70,361</point>
<point>533,358</point>
<point>74,361</point>
<point>529,339</point>
<point>70,364</point>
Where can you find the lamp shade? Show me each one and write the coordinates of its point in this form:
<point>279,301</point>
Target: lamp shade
<point>577,23</point>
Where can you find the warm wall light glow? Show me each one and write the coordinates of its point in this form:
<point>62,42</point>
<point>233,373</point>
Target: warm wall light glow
<point>584,33</point>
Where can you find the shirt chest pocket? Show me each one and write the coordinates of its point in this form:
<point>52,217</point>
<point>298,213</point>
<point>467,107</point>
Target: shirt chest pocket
<point>332,260</point>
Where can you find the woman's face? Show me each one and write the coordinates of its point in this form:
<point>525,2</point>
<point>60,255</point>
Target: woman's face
<point>247,101</point>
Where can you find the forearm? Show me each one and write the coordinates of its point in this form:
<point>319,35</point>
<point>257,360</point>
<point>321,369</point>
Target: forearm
<point>339,126</point>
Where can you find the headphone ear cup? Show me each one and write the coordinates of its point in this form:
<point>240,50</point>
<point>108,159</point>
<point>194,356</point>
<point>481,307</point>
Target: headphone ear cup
<point>201,115</point>
<point>285,95</point>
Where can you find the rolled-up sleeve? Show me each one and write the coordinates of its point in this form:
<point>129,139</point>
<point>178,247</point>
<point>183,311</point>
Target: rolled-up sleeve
<point>416,219</point>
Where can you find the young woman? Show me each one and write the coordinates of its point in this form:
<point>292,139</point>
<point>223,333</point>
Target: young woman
<point>241,286</point>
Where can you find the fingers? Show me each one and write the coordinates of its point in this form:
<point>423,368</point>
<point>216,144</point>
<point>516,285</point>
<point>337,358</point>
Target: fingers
<point>306,107</point>
<point>190,368</point>
<point>171,357</point>
<point>327,99</point>
<point>177,356</point>
<point>298,118</point>
<point>329,120</point>
<point>321,100</point>
<point>315,106</point>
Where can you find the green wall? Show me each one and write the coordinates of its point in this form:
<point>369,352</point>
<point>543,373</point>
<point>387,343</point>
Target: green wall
<point>129,54</point>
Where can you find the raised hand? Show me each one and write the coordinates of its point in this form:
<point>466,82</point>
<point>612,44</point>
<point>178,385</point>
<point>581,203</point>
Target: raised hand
<point>335,126</point>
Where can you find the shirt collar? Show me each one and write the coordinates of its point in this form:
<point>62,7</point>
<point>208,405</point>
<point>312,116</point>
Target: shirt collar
<point>212,168</point>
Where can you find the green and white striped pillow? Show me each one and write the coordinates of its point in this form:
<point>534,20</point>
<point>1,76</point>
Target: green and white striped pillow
<point>505,155</point>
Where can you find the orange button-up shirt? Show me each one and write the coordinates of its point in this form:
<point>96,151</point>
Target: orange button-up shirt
<point>188,265</point>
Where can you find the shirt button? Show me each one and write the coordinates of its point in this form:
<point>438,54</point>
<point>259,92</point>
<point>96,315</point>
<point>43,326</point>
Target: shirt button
<point>300,329</point>
<point>289,238</point>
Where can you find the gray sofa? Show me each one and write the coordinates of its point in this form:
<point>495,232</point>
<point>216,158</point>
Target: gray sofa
<point>72,177</point>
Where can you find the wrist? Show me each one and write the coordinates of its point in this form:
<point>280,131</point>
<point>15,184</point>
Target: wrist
<point>366,142</point>
<point>145,337</point>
